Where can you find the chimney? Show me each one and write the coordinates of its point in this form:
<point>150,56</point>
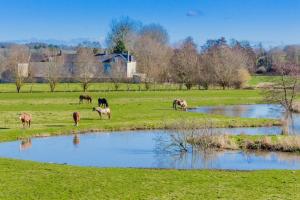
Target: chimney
<point>128,57</point>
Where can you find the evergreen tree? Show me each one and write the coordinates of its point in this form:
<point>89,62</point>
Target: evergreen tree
<point>120,47</point>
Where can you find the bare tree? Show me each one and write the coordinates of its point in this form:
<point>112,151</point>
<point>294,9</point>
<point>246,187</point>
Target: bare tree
<point>285,90</point>
<point>122,31</point>
<point>154,61</point>
<point>118,72</point>
<point>184,63</point>
<point>86,67</point>
<point>155,32</point>
<point>18,63</point>
<point>204,73</point>
<point>226,63</point>
<point>245,49</point>
<point>55,67</point>
<point>293,53</point>
<point>3,63</point>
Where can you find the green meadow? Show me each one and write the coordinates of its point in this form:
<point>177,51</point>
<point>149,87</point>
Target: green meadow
<point>131,109</point>
<point>52,112</point>
<point>29,180</point>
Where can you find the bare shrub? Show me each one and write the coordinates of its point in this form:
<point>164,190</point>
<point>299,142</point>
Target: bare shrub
<point>188,135</point>
<point>288,144</point>
<point>243,76</point>
<point>212,140</point>
<point>227,63</point>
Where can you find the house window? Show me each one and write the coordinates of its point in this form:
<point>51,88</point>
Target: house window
<point>107,68</point>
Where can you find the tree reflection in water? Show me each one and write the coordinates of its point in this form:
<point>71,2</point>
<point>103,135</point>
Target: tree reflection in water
<point>174,150</point>
<point>290,123</point>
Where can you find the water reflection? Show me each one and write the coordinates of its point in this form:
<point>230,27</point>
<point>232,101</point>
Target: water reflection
<point>140,149</point>
<point>76,140</point>
<point>291,122</point>
<point>25,144</point>
<point>269,111</point>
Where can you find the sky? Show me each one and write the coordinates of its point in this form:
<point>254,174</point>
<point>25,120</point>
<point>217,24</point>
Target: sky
<point>272,22</point>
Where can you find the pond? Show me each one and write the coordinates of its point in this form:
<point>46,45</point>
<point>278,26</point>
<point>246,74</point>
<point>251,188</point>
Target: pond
<point>268,111</point>
<point>138,149</point>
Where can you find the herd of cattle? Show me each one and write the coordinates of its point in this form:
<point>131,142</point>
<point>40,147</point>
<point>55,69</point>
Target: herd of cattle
<point>102,109</point>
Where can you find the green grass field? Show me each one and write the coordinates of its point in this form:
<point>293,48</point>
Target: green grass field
<point>52,114</point>
<point>255,80</point>
<point>29,180</point>
<point>100,87</point>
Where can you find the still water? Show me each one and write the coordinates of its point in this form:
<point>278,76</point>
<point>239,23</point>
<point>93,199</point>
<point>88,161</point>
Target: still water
<point>268,111</point>
<point>138,149</point>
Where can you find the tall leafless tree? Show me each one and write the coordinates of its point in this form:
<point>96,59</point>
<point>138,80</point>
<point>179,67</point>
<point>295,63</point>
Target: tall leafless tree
<point>285,90</point>
<point>117,73</point>
<point>203,73</point>
<point>18,64</point>
<point>155,32</point>
<point>86,67</point>
<point>55,67</point>
<point>154,61</point>
<point>3,63</point>
<point>184,63</point>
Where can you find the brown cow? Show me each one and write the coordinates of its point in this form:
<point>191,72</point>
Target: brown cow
<point>25,119</point>
<point>76,118</point>
<point>85,97</point>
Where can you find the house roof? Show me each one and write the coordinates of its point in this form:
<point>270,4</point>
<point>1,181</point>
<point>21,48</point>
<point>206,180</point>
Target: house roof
<point>109,57</point>
<point>38,57</point>
<point>71,58</point>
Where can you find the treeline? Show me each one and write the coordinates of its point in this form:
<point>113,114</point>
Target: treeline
<point>216,63</point>
<point>221,63</point>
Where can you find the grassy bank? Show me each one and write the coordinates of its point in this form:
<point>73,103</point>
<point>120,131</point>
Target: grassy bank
<point>29,180</point>
<point>52,112</point>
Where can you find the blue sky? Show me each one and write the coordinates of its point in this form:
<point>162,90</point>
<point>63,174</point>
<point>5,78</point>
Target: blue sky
<point>272,22</point>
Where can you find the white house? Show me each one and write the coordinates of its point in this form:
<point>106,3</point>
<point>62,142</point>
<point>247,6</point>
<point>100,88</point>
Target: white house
<point>116,64</point>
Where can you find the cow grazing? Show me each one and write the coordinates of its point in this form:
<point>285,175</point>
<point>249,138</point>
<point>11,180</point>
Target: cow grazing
<point>26,119</point>
<point>103,111</point>
<point>76,118</point>
<point>102,102</point>
<point>180,102</point>
<point>85,97</point>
